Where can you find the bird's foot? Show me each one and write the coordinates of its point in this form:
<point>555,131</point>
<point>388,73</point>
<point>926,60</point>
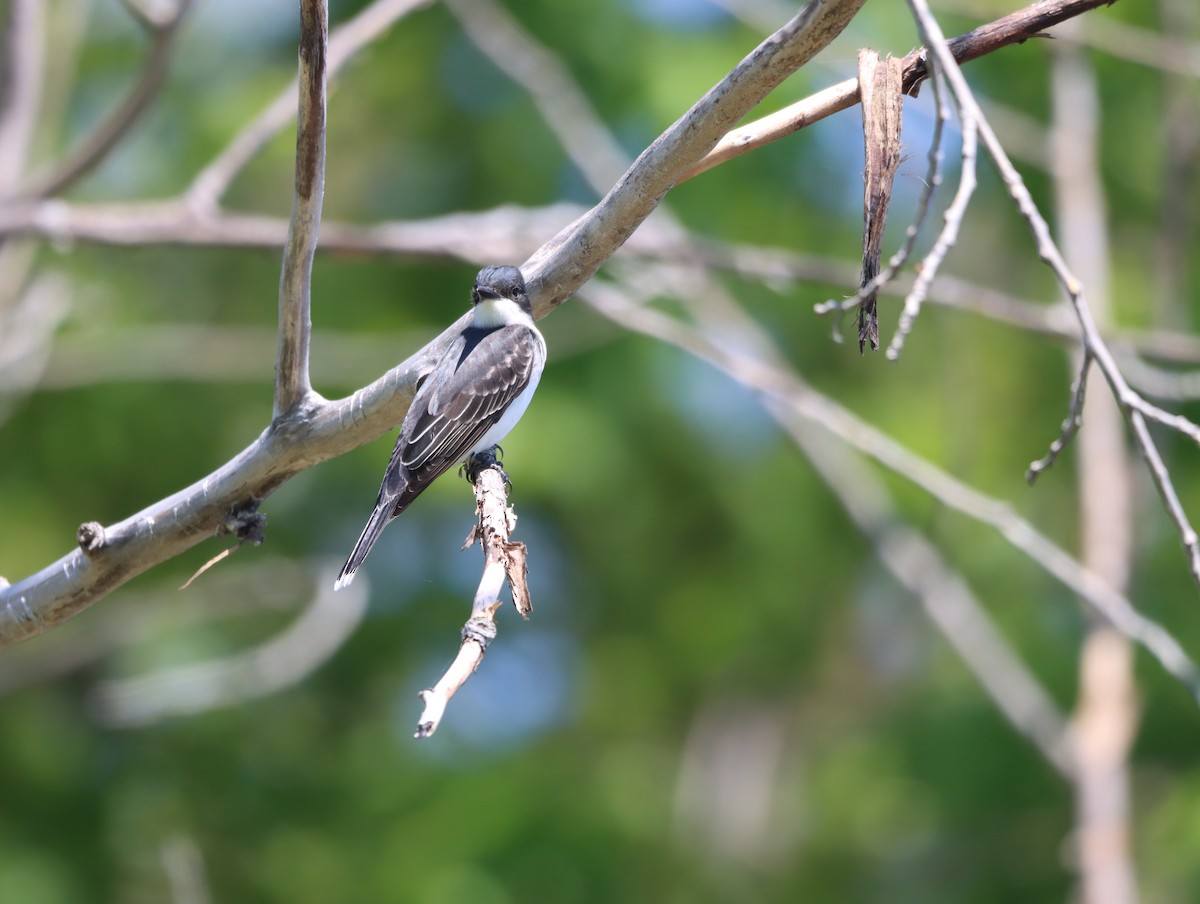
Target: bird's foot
<point>488,458</point>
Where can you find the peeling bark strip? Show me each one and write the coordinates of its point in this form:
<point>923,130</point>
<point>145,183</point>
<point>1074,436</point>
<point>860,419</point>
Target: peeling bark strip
<point>881,114</point>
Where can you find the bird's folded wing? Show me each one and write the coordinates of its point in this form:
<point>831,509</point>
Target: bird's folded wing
<point>467,398</point>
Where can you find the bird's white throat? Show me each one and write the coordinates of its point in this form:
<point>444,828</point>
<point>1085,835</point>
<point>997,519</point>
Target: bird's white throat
<point>495,312</point>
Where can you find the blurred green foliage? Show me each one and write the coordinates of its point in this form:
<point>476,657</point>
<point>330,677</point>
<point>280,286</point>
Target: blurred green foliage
<point>721,695</point>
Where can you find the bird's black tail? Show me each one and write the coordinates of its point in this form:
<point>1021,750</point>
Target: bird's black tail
<point>375,525</point>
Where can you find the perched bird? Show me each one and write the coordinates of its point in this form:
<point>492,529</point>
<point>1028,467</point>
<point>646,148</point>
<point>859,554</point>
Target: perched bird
<point>474,395</point>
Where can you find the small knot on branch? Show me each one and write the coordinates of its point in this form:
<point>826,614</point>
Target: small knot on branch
<point>481,628</point>
<point>247,524</point>
<point>90,537</point>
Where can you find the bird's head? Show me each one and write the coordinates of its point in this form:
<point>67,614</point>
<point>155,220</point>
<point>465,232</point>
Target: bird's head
<point>495,283</point>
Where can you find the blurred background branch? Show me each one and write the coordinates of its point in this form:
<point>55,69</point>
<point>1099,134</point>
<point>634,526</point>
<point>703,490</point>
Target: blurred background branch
<point>284,660</point>
<point>1106,712</point>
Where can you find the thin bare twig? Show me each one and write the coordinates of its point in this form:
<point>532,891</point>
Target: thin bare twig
<point>504,233</point>
<point>945,240</point>
<point>565,108</point>
<point>782,267</point>
<point>1166,50</point>
<point>1070,426</point>
<point>1178,386</point>
<point>512,233</point>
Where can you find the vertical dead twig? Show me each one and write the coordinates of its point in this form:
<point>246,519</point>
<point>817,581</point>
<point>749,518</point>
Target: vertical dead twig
<point>503,559</point>
<point>292,384</point>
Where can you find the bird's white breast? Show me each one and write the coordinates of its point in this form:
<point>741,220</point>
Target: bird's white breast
<point>496,312</point>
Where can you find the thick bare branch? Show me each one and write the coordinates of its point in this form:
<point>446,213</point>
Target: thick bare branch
<point>214,505</point>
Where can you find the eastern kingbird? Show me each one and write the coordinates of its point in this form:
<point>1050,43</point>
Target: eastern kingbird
<point>473,396</point>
